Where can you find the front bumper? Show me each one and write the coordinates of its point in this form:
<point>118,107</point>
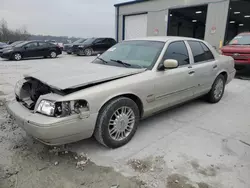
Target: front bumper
<point>6,55</point>
<point>51,130</point>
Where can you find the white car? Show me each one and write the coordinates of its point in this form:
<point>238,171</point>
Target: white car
<point>107,98</point>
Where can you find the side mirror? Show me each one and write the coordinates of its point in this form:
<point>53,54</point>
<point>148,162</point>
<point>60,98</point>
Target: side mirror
<point>170,64</point>
<point>25,47</point>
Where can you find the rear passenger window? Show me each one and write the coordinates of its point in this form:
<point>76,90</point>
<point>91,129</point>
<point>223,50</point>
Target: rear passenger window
<point>178,51</point>
<point>208,53</point>
<point>200,51</point>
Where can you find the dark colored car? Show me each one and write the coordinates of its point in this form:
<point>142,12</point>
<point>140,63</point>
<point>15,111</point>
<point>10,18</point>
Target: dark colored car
<point>69,47</point>
<point>31,49</point>
<point>239,49</point>
<point>2,45</point>
<point>9,46</point>
<point>95,46</point>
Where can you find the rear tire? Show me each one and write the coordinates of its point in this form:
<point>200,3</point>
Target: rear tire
<point>217,90</point>
<point>53,54</point>
<point>17,56</point>
<point>117,122</point>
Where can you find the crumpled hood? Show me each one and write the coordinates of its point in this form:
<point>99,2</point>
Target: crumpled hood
<point>69,77</point>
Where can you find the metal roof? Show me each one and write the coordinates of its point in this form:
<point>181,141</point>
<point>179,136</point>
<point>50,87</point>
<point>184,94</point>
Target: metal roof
<point>163,38</point>
<point>130,2</point>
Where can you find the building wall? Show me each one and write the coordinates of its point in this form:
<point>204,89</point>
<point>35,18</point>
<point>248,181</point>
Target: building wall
<point>158,16</point>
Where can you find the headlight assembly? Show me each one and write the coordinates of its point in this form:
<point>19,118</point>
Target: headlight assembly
<point>46,107</point>
<point>62,109</point>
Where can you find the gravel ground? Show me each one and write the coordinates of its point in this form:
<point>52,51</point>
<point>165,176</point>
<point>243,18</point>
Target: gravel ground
<point>197,145</point>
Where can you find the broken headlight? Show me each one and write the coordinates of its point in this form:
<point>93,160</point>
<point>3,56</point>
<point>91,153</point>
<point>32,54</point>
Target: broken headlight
<point>46,107</point>
<point>62,109</point>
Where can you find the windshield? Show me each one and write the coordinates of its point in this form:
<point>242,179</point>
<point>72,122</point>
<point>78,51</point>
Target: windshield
<point>20,44</point>
<point>241,40</point>
<point>79,41</point>
<point>15,43</point>
<point>139,54</point>
<point>89,41</point>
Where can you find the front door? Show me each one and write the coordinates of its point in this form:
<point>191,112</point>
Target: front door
<point>31,50</point>
<point>174,86</point>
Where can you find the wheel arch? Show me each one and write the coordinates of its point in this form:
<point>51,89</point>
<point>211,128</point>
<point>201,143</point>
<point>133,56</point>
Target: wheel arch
<point>131,96</point>
<point>13,53</point>
<point>223,73</point>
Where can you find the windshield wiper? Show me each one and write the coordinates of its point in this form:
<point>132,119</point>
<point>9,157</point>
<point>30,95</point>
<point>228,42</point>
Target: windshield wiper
<point>121,62</point>
<point>102,60</point>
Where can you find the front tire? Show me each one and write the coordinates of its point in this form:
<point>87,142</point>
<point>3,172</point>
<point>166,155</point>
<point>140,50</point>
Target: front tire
<point>217,90</point>
<point>53,54</point>
<point>117,122</point>
<point>17,56</point>
<point>88,52</point>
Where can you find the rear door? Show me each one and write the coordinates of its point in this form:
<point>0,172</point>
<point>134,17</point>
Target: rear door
<point>43,49</point>
<point>31,50</point>
<point>99,45</point>
<point>205,66</point>
<point>110,43</point>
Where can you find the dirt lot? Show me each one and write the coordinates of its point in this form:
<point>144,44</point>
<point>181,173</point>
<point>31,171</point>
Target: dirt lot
<point>197,145</point>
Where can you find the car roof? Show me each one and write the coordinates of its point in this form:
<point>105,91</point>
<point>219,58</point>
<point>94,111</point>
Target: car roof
<point>164,38</point>
<point>244,33</point>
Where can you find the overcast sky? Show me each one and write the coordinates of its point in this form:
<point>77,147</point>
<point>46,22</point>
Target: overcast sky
<point>80,18</point>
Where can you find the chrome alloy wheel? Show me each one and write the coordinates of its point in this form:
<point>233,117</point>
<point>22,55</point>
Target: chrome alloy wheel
<point>17,56</point>
<point>121,123</point>
<point>88,52</point>
<point>53,54</point>
<point>218,90</point>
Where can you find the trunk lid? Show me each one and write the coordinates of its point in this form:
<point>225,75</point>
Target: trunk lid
<point>238,52</point>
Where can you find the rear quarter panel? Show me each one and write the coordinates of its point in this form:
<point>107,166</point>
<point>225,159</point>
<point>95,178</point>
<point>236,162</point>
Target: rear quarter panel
<point>226,64</point>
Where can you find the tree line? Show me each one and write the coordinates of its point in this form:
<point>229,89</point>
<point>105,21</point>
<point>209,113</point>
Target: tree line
<point>10,35</point>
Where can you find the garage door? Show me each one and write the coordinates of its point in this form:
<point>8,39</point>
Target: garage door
<point>135,26</point>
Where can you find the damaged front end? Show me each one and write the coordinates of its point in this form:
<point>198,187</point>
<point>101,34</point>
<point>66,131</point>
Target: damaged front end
<point>41,98</point>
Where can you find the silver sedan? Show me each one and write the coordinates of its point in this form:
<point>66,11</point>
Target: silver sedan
<point>109,96</point>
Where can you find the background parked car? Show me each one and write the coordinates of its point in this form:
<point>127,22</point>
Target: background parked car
<point>2,45</point>
<point>239,49</point>
<point>9,46</point>
<point>31,49</point>
<point>59,44</point>
<point>95,46</point>
<point>69,47</point>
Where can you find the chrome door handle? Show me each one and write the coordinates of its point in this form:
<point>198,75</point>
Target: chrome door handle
<point>191,72</point>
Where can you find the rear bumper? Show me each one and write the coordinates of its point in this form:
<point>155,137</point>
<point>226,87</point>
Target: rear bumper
<point>231,76</point>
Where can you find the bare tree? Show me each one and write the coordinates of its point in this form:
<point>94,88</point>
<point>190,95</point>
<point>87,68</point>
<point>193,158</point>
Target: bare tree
<point>7,34</point>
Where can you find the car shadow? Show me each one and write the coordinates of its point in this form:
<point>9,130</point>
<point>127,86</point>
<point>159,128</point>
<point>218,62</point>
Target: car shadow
<point>145,128</point>
<point>32,58</point>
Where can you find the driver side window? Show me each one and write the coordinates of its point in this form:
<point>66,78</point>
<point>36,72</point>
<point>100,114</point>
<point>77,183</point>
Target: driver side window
<point>178,51</point>
<point>98,41</point>
<point>31,45</point>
